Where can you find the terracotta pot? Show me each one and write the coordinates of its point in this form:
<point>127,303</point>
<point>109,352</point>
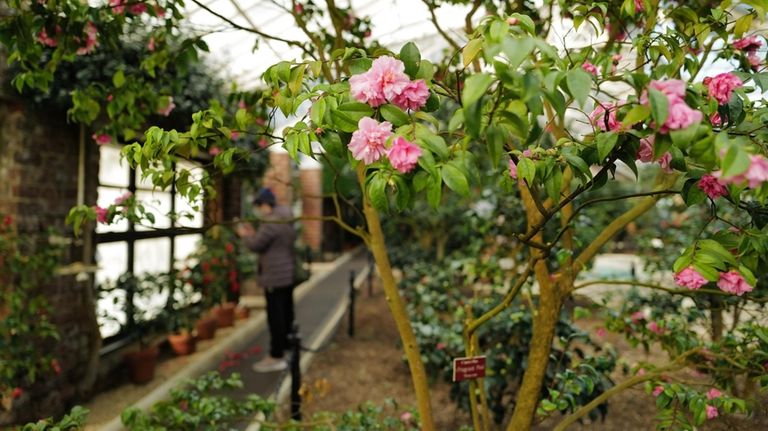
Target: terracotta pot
<point>225,315</point>
<point>183,343</point>
<point>206,328</point>
<point>242,312</point>
<point>141,364</point>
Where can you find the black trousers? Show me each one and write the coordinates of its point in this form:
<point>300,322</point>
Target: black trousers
<point>279,318</point>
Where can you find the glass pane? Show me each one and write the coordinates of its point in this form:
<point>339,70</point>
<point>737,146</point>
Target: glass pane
<point>184,246</point>
<point>152,256</point>
<point>112,170</point>
<point>146,183</point>
<point>157,203</point>
<point>112,259</point>
<point>189,215</point>
<point>106,197</point>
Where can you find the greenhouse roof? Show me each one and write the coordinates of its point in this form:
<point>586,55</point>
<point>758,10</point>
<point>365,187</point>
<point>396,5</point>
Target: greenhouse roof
<point>246,55</point>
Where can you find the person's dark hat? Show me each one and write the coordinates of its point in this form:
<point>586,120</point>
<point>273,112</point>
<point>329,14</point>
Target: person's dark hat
<point>265,196</point>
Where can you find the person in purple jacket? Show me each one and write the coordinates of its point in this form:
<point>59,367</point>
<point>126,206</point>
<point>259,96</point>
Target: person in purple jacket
<point>274,242</point>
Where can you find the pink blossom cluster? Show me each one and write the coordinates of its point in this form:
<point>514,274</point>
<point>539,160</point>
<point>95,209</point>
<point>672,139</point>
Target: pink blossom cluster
<point>712,186</point>
<point>120,200</point>
<point>101,138</point>
<point>166,110</point>
<point>589,68</point>
<point>118,7</point>
<point>101,214</point>
<point>721,86</point>
<point>604,117</point>
<point>645,154</point>
<point>512,169</point>
<point>750,45</point>
<point>680,115</point>
<point>369,144</point>
<point>755,175</point>
<point>46,40</point>
<point>690,279</point>
<point>639,6</point>
<point>730,282</point>
<point>91,39</point>
<point>386,81</point>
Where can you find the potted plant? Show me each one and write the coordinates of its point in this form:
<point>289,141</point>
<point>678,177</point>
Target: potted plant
<point>179,316</point>
<point>144,321</point>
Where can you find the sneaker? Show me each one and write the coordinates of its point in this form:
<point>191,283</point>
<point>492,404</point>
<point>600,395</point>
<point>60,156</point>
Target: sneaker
<point>270,364</point>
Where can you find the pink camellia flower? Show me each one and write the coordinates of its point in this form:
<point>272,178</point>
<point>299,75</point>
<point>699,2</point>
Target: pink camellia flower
<point>732,282</point>
<point>637,316</point>
<point>655,328</point>
<point>711,412</point>
<point>214,151</point>
<point>639,6</point>
<point>690,279</point>
<point>756,174</point>
<point>403,155</point>
<point>748,44</point>
<point>665,161</point>
<point>121,199</point>
<point>710,185</point>
<point>681,116</point>
<point>589,68</point>
<point>440,346</point>
<point>413,96</point>
<point>382,82</point>
<point>601,121</point>
<point>658,390</point>
<point>716,120</point>
<point>17,392</point>
<point>645,152</point>
<point>151,44</point>
<point>166,110</point>
<point>406,417</point>
<point>674,89</point>
<point>754,60</point>
<point>512,169</point>
<point>46,40</point>
<point>7,220</point>
<point>299,8</point>
<point>263,143</point>
<point>91,39</point>
<point>101,214</point>
<point>234,135</point>
<point>601,332</point>
<point>242,105</point>
<point>138,8</point>
<point>713,393</point>
<point>159,11</point>
<point>101,138</point>
<point>368,141</point>
<point>118,6</point>
<point>721,86</point>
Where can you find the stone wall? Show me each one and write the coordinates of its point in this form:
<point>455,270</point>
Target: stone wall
<point>38,185</point>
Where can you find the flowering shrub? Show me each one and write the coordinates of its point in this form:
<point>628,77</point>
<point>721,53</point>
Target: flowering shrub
<point>26,333</point>
<point>508,93</point>
<point>72,421</point>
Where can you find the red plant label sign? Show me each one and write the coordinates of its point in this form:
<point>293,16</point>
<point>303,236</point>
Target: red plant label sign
<point>468,368</point>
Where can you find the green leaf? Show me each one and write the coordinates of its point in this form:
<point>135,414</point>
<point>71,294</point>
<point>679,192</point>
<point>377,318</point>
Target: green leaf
<point>606,141</point>
<point>394,115</point>
<point>749,277</point>
<point>574,160</point>
<point>683,261</point>
<point>526,169</point>
<point>474,88</point>
<point>692,194</point>
<point>637,114</point>
<point>659,106</point>
<point>496,137</point>
<point>377,192</point>
<point>347,115</point>
<point>516,49</point>
<point>410,56</point>
<point>455,179</point>
<point>434,190</point>
<point>431,141</point>
<point>118,79</point>
<point>317,112</point>
<point>470,51</point>
<point>683,138</point>
<point>554,183</point>
<point>358,65</point>
<point>736,161</point>
<point>579,84</point>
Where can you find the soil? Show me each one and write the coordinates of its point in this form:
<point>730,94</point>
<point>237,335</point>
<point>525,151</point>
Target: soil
<point>370,367</point>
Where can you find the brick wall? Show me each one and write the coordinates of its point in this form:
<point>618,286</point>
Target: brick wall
<point>312,206</point>
<point>38,185</point>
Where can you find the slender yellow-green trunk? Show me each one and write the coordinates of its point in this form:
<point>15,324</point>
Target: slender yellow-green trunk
<point>378,247</point>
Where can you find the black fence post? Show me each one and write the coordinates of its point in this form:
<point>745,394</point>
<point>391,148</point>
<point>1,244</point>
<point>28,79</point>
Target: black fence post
<point>371,268</point>
<point>295,342</point>
<point>351,326</point>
